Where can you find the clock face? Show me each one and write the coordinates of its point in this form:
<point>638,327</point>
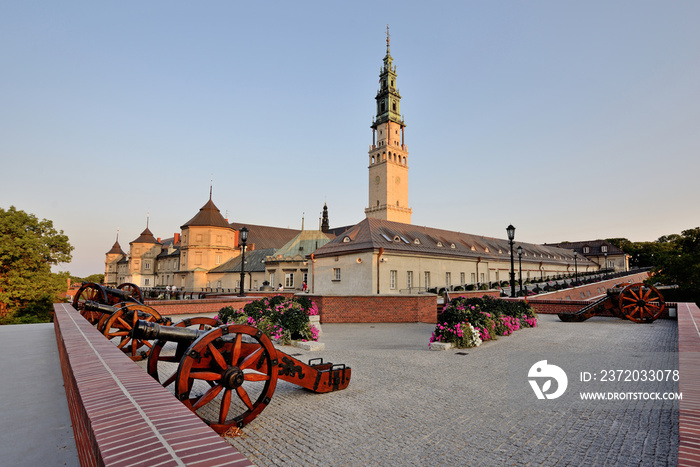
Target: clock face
<point>398,180</point>
<point>377,179</point>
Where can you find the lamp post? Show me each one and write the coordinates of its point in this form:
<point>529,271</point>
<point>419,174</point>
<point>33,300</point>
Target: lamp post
<point>575,268</point>
<point>244,238</point>
<point>520,269</point>
<point>511,235</point>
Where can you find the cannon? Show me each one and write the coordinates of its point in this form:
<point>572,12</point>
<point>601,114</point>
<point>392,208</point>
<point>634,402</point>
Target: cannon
<point>637,302</point>
<point>228,374</point>
<point>116,322</point>
<point>92,292</point>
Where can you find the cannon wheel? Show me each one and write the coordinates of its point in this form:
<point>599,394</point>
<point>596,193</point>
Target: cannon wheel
<point>93,292</point>
<point>202,323</point>
<point>641,303</point>
<point>244,362</point>
<point>133,289</point>
<point>117,325</point>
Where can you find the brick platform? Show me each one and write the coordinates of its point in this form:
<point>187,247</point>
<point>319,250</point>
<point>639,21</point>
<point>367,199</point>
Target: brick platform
<point>121,416</point>
<point>689,385</point>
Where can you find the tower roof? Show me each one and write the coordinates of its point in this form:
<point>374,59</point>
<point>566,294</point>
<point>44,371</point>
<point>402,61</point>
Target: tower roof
<point>146,237</point>
<point>208,215</point>
<point>116,249</point>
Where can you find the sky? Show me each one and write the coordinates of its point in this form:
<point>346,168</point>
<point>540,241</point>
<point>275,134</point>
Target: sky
<point>569,120</point>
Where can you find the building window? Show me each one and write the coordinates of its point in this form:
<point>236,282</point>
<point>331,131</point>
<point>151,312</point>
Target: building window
<point>426,277</point>
<point>448,279</point>
<point>586,250</point>
<point>218,284</point>
<point>289,279</point>
<point>481,277</point>
<point>147,265</point>
<point>604,248</point>
<point>336,274</point>
<point>272,279</point>
<point>473,277</point>
<point>198,237</point>
<point>218,259</point>
<point>197,259</point>
<point>392,279</point>
<point>147,282</point>
<point>409,279</point>
<point>462,278</point>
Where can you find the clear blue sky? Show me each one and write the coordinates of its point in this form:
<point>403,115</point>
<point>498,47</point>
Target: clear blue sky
<point>570,120</point>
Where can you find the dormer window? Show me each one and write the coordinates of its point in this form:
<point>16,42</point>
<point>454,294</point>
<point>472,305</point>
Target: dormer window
<point>346,239</point>
<point>586,249</point>
<point>453,246</point>
<point>604,248</point>
<point>416,242</point>
<point>439,244</point>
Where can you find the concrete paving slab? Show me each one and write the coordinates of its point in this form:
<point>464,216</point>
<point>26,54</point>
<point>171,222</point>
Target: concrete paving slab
<point>36,426</point>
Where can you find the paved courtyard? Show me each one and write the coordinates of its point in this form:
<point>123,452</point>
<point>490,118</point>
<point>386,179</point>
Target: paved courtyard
<point>407,405</point>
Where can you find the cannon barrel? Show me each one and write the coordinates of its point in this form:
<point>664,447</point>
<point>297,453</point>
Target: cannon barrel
<point>152,331</point>
<point>90,305</point>
<point>120,293</point>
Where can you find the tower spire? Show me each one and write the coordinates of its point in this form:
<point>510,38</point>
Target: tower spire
<point>387,39</point>
<point>211,185</point>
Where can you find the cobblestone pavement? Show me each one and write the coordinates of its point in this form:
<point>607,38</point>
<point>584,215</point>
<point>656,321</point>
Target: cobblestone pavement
<point>407,405</point>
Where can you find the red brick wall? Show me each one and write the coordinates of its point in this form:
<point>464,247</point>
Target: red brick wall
<point>589,290</point>
<point>376,308</point>
<point>207,305</point>
<point>115,406</point>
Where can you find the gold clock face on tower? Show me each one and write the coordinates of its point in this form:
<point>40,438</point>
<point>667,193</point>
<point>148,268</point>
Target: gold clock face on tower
<point>377,179</point>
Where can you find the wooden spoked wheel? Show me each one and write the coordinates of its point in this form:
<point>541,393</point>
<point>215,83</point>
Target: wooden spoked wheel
<point>89,292</point>
<point>641,303</point>
<point>227,376</point>
<point>160,359</point>
<point>120,323</point>
<point>133,289</point>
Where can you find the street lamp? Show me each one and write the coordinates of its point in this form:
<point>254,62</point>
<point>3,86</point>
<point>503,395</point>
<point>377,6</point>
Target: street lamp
<point>511,235</point>
<point>520,269</point>
<point>575,268</point>
<point>244,238</point>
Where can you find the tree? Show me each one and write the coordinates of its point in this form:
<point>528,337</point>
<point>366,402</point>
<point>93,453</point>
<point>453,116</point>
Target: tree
<point>28,249</point>
<point>679,262</point>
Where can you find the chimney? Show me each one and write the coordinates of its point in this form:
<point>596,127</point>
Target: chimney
<point>176,240</point>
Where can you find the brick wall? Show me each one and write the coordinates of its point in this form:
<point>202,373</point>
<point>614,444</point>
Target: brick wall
<point>120,415</point>
<point>376,308</point>
<point>207,305</point>
<point>589,291</point>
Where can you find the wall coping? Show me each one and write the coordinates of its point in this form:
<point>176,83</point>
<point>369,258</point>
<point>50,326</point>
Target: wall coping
<point>122,416</point>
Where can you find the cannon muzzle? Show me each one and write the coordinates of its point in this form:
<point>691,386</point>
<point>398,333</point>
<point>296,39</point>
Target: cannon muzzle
<point>145,330</point>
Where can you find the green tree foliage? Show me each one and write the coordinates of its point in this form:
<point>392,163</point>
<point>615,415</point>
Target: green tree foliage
<point>679,262</point>
<point>96,278</point>
<point>28,249</point>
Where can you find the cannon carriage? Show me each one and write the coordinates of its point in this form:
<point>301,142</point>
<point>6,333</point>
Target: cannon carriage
<point>227,374</point>
<point>637,302</point>
<point>96,293</point>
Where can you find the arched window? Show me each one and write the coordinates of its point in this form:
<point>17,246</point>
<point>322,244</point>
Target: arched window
<point>372,159</point>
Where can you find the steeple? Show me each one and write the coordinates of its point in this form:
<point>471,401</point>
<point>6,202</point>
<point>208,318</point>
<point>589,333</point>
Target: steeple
<point>325,226</point>
<point>388,97</point>
<point>388,154</point>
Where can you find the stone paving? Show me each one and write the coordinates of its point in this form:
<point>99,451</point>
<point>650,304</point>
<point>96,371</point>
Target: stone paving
<point>407,405</point>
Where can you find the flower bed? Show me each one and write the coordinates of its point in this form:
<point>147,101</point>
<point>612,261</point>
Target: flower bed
<point>467,322</point>
<point>280,318</point>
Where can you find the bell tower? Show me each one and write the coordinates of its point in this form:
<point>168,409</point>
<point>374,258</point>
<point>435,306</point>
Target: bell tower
<point>388,154</point>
